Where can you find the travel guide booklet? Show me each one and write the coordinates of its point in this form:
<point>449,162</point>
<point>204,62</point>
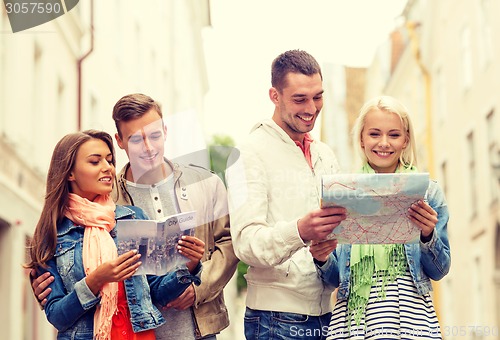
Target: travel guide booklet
<point>156,241</point>
<point>377,206</point>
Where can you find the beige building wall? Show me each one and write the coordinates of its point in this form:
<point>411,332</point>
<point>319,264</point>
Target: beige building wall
<point>155,48</point>
<point>37,96</point>
<point>458,143</point>
<point>333,121</point>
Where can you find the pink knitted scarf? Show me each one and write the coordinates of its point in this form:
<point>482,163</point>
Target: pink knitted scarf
<point>98,218</point>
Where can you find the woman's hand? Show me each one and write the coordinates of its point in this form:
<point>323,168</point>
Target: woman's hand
<point>193,248</point>
<point>119,269</point>
<point>424,217</point>
<point>321,250</point>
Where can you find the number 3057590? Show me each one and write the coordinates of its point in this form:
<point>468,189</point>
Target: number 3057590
<point>32,7</point>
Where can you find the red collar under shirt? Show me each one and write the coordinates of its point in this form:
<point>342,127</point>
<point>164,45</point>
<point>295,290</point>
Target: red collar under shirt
<point>306,148</point>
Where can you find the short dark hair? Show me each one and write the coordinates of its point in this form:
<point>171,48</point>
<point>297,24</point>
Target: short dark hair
<point>296,61</point>
<point>133,106</point>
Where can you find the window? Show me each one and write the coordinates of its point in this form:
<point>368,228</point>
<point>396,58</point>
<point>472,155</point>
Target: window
<point>60,106</point>
<point>30,306</point>
<point>497,270</point>
<point>466,55</point>
<point>6,245</point>
<point>493,154</point>
<point>95,111</point>
<point>472,174</point>
<point>138,54</point>
<point>477,286</point>
<point>485,40</point>
<point>441,103</point>
<point>497,250</point>
<point>444,182</point>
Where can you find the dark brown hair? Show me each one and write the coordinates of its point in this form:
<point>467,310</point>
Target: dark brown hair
<point>295,61</point>
<point>133,106</point>
<point>44,241</point>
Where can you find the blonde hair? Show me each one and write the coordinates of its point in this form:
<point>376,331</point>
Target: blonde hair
<point>388,104</point>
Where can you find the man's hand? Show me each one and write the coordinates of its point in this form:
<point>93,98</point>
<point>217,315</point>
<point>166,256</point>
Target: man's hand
<point>39,285</point>
<point>184,301</point>
<point>318,224</point>
<point>192,248</point>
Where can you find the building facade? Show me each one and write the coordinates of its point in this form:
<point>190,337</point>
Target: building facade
<point>447,72</point>
<point>66,75</point>
<point>37,89</point>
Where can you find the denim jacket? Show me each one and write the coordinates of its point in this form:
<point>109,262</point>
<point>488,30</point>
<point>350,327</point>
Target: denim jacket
<point>426,261</point>
<point>71,304</point>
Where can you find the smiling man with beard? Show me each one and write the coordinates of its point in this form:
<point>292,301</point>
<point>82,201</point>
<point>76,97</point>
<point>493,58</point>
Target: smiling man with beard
<point>274,194</point>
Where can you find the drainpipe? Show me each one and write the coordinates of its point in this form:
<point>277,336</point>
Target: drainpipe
<point>415,45</point>
<point>79,67</point>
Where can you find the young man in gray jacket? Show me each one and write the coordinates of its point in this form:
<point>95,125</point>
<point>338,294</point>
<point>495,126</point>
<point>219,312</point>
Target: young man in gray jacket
<point>162,188</point>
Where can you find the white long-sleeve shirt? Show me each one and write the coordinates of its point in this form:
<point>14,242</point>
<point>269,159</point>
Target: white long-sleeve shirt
<point>271,186</point>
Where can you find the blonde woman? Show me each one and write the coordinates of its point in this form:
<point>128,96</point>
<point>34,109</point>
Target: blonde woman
<point>384,290</point>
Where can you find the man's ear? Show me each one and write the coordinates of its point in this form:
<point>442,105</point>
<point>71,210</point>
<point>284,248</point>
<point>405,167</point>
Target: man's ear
<point>119,141</point>
<point>164,132</point>
<point>274,95</point>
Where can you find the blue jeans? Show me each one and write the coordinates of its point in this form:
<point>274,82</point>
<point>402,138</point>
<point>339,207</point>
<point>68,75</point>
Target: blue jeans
<point>264,325</point>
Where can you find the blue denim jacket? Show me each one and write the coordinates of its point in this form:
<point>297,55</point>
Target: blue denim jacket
<point>430,260</point>
<point>71,304</point>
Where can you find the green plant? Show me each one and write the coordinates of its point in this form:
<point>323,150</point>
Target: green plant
<point>219,150</point>
<point>241,283</point>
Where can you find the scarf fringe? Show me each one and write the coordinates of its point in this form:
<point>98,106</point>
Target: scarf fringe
<point>107,308</point>
<point>98,218</point>
<point>375,263</point>
<point>367,273</point>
